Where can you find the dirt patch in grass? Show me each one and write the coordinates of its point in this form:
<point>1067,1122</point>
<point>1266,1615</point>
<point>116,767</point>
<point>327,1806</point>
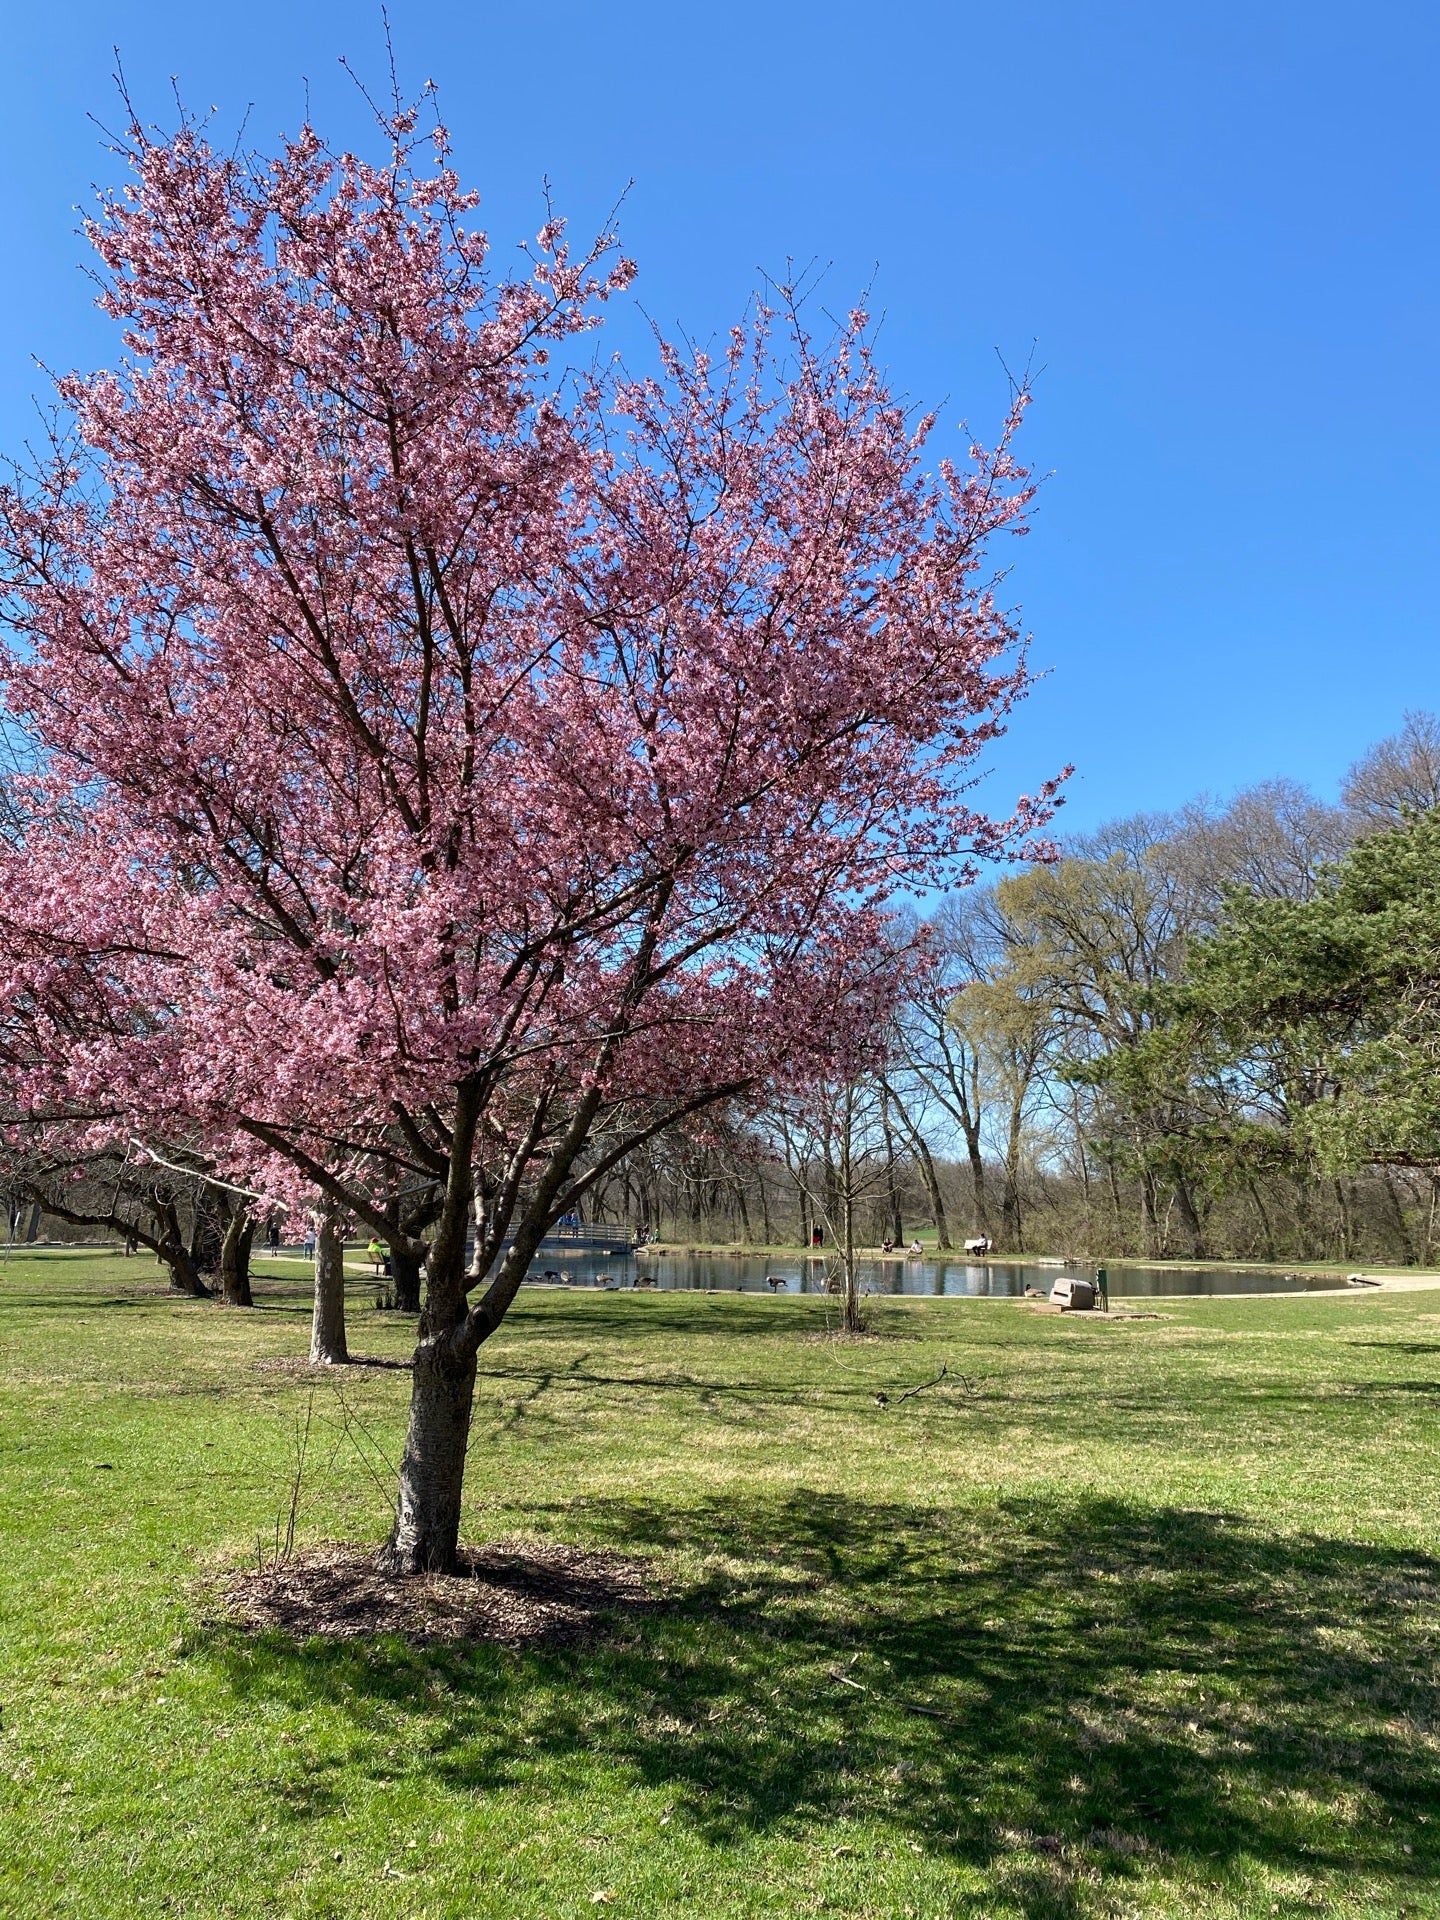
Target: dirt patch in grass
<point>518,1595</point>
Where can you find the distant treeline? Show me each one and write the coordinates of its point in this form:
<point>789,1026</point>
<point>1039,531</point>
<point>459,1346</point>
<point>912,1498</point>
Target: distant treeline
<point>1188,1037</point>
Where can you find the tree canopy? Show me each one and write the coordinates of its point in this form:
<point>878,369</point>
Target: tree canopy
<point>454,767</point>
<point>1342,991</point>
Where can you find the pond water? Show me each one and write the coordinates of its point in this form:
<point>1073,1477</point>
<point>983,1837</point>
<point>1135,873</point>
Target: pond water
<point>1002,1279</point>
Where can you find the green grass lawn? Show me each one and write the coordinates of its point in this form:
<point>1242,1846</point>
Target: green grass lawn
<point>1136,1617</point>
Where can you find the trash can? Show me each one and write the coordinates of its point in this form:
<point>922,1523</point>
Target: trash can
<point>1073,1296</point>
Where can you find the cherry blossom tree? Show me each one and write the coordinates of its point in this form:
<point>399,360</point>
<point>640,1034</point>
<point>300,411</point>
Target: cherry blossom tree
<point>451,768</point>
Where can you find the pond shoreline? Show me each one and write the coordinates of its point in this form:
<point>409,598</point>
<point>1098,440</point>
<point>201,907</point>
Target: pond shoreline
<point>921,1276</point>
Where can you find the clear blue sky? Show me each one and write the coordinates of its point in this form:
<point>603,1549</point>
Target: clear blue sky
<point>1215,227</point>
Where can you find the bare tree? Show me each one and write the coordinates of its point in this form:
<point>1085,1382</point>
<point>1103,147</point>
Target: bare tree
<point>1398,775</point>
<point>936,1078</point>
<point>1273,840</point>
<point>834,1144</point>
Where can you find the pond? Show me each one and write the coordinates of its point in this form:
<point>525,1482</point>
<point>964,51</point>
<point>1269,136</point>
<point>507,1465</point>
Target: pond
<point>930,1274</point>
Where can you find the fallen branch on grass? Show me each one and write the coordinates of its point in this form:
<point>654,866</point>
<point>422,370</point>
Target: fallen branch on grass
<point>924,1387</point>
<point>883,1399</point>
<point>894,1700</point>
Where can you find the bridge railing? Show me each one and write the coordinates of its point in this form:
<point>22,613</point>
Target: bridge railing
<point>586,1240</point>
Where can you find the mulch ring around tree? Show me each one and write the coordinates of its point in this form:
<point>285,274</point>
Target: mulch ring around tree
<point>517,1594</point>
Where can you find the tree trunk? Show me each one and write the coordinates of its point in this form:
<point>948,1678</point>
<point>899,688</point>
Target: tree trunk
<point>746,1235</point>
<point>184,1274</point>
<point>327,1327</point>
<point>1012,1228</point>
<point>176,1255</point>
<point>1267,1237</point>
<point>892,1199</point>
<point>426,1534</point>
<point>854,1320</point>
<point>1012,1234</point>
<point>932,1192</point>
<point>425,1537</point>
<point>1149,1213</point>
<point>1120,1234</point>
<point>405,1267</point>
<point>235,1259</point>
<point>1342,1201</point>
<point>920,1153</point>
<point>1305,1226</point>
<point>1189,1220</point>
<point>207,1234</point>
<point>977,1180</point>
<point>1081,1155</point>
<point>1402,1228</point>
<point>896,1230</point>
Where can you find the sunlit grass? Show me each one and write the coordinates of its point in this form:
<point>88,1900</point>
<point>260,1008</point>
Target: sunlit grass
<point>1126,1617</point>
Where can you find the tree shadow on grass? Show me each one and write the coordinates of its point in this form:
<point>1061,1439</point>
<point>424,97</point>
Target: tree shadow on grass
<point>690,1311</point>
<point>1060,1694</point>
